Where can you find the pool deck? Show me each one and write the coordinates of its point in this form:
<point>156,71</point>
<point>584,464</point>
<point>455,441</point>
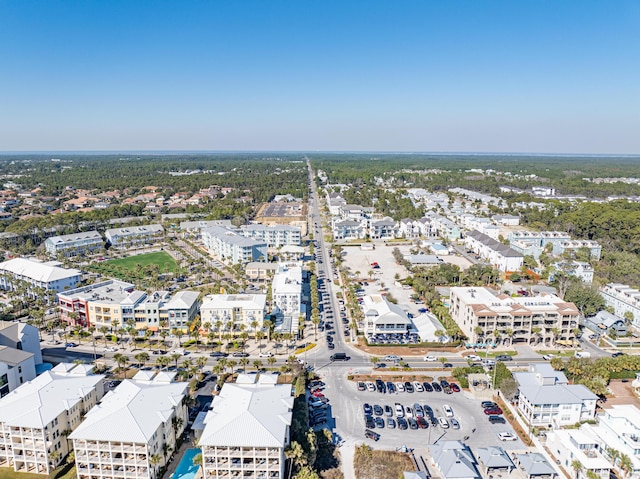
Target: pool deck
<point>177,456</point>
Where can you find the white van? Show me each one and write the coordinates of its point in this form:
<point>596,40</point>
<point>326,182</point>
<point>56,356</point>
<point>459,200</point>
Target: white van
<point>582,354</point>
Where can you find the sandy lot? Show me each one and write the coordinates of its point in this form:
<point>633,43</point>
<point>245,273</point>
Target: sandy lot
<point>623,394</point>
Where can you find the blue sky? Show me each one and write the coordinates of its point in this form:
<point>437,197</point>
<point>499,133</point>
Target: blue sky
<point>458,76</point>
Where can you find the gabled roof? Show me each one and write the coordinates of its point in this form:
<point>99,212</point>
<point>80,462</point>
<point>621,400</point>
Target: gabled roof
<point>494,458</point>
<point>249,415</point>
<point>37,271</point>
<point>132,412</point>
<point>534,464</point>
<point>36,403</point>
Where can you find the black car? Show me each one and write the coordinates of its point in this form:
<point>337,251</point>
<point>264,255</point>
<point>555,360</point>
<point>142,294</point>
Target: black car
<point>331,346</point>
<point>412,423</point>
<point>380,386</point>
<point>504,357</point>
<point>408,387</point>
<point>379,423</point>
<point>427,410</point>
<point>402,423</point>
<point>488,404</point>
<point>361,386</point>
<point>444,383</point>
<point>218,354</point>
<point>618,354</point>
<point>388,411</point>
<point>447,365</point>
<point>436,386</point>
<point>240,355</point>
<point>368,410</point>
<point>391,387</point>
<point>371,435</point>
<point>427,386</point>
<point>495,419</point>
<point>370,422</point>
<point>377,410</point>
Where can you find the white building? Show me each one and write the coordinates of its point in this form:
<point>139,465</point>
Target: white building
<point>286,291</point>
<point>579,445</point>
<point>579,269</point>
<point>501,256</point>
<point>383,317</point>
<point>622,298</point>
<point>506,220</point>
<point>21,336</point>
<point>532,320</point>
<point>619,429</point>
<point>133,236</point>
<point>247,429</point>
<point>35,417</point>
<point>384,229</point>
<point>16,368</point>
<point>229,245</point>
<point>75,244</point>
<point>275,236</point>
<point>133,430</point>
<point>234,308</point>
<point>547,399</point>
<point>37,275</point>
<point>348,229</point>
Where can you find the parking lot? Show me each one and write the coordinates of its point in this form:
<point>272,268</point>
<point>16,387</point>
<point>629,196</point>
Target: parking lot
<point>475,428</point>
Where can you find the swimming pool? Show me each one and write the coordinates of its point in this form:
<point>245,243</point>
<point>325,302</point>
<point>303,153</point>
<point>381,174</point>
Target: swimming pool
<point>186,469</point>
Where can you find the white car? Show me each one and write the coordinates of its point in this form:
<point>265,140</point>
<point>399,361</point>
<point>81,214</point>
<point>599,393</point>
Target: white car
<point>507,436</point>
<point>430,358</point>
<point>447,410</point>
<point>265,355</point>
<point>371,386</point>
<point>400,387</point>
<point>110,349</point>
<point>392,357</point>
<point>548,357</point>
<point>444,424</point>
<point>474,357</point>
<point>417,385</point>
<point>399,410</point>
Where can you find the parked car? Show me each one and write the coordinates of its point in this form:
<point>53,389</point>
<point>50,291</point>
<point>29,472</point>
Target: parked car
<point>391,423</point>
<point>427,386</point>
<point>443,423</point>
<point>507,436</point>
<point>361,386</point>
<point>497,419</point>
<point>379,423</point>
<point>399,410</point>
<point>371,435</point>
<point>447,410</point>
<point>488,404</point>
<point>454,423</point>
<point>504,357</point>
<point>408,386</point>
<point>436,386</point>
<point>494,411</point>
<point>369,422</point>
<point>240,355</point>
<point>392,357</point>
<point>377,410</point>
<point>412,423</point>
<point>402,423</point>
<point>70,345</point>
<point>454,387</point>
<point>368,410</point>
<point>417,385</point>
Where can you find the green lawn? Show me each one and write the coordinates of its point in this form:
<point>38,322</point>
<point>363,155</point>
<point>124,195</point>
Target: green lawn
<point>166,263</point>
<point>9,473</point>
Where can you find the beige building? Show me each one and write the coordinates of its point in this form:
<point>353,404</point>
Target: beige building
<point>133,431</point>
<point>247,429</point>
<point>36,417</point>
<point>486,318</point>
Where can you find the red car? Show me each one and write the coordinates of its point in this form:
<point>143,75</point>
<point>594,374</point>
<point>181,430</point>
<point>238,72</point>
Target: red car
<point>493,411</point>
<point>454,387</point>
<point>317,394</point>
<point>422,423</point>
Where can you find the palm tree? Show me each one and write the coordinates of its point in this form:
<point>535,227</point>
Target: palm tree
<point>175,357</point>
<point>232,364</point>
<point>142,358</point>
<point>244,362</point>
<point>257,364</point>
<point>577,467</point>
<point>374,360</point>
<point>121,360</point>
<point>155,460</point>
<point>271,361</point>
<point>626,464</point>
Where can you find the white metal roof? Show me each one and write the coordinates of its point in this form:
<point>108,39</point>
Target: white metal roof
<point>249,415</point>
<point>37,271</point>
<point>37,402</point>
<point>132,412</point>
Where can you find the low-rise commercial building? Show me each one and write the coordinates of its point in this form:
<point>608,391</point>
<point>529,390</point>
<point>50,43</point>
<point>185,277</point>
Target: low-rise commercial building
<point>35,418</point>
<point>248,429</point>
<point>287,296</point>
<point>383,317</point>
<point>133,430</point>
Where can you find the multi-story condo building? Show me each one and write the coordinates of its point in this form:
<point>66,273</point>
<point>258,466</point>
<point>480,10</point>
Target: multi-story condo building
<point>534,243</point>
<point>229,245</point>
<point>220,310</point>
<point>594,247</point>
<point>383,317</point>
<point>579,269</point>
<point>484,317</point>
<point>445,228</point>
<point>501,256</point>
<point>260,272</point>
<point>100,304</point>
<point>287,295</point>
<point>275,236</point>
<point>19,355</point>
<point>247,429</point>
<point>36,417</point>
<point>132,236</point>
<point>545,398</point>
<point>37,276</point>
<point>132,431</point>
<point>577,445</point>
<point>348,230</point>
<point>115,302</point>
<point>618,429</point>
<point>622,298</point>
<point>385,228</point>
<point>75,244</point>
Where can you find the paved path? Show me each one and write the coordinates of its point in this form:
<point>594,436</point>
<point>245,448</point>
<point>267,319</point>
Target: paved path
<point>347,453</point>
